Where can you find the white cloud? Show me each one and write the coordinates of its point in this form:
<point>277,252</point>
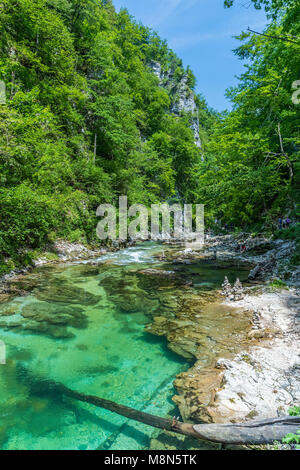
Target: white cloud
<point>164,11</point>
<point>180,42</point>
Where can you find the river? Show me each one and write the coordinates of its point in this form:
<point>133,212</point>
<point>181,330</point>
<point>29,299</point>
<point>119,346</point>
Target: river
<point>83,324</point>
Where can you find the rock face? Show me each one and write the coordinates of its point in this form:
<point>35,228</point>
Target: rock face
<point>182,97</point>
<point>200,328</point>
<point>263,381</point>
<point>260,385</point>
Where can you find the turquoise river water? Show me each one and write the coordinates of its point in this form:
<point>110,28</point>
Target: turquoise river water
<point>84,325</point>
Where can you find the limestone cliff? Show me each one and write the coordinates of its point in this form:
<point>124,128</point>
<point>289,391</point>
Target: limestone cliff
<point>183,98</point>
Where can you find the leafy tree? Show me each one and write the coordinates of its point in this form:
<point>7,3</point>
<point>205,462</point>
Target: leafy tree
<point>251,170</point>
<point>86,119</point>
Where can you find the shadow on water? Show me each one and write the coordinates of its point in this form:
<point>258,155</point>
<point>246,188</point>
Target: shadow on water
<point>41,389</point>
<point>162,342</point>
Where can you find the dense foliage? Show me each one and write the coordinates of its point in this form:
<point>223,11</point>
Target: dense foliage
<point>86,120</point>
<point>251,171</point>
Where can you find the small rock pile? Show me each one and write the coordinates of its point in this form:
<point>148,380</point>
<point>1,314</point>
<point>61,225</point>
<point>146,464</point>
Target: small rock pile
<point>256,320</point>
<point>226,287</point>
<point>238,291</point>
<point>235,292</point>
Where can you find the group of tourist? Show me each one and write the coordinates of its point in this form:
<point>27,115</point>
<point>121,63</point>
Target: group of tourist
<point>284,223</point>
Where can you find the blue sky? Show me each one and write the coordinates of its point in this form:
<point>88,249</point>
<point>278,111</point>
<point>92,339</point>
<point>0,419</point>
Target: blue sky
<point>200,32</point>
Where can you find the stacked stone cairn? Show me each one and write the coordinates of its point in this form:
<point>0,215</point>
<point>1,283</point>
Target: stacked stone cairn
<point>238,291</point>
<point>226,288</point>
<point>234,293</point>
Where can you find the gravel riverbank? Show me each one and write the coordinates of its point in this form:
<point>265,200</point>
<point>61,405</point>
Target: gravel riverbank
<point>263,379</point>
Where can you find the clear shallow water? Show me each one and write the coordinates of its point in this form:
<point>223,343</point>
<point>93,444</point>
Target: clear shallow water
<point>83,325</point>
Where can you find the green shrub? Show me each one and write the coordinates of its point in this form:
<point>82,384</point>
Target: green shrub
<point>278,283</point>
<point>293,438</point>
<point>295,259</point>
<point>27,218</point>
<point>292,233</point>
<point>76,236</point>
<point>6,266</point>
<point>30,220</point>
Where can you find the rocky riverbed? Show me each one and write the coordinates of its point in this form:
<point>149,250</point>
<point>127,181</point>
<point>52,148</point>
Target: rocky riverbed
<point>243,342</point>
<point>16,283</point>
<point>263,379</point>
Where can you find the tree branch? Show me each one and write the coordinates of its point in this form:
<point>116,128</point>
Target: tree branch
<point>289,163</point>
<point>273,37</point>
<point>260,432</point>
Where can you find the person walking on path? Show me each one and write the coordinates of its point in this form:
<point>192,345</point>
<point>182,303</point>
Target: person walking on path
<point>287,222</point>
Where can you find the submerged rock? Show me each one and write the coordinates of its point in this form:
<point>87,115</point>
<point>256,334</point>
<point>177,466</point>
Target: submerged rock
<point>197,325</point>
<point>4,297</point>
<point>124,291</point>
<point>43,311</point>
<point>58,332</point>
<point>7,310</point>
<point>67,294</point>
<point>157,272</point>
<point>132,302</point>
<point>49,319</point>
<point>10,325</point>
<point>196,392</point>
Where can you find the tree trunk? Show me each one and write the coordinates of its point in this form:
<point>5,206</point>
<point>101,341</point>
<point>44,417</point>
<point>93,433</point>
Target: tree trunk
<point>261,432</point>
<point>255,432</point>
<point>289,163</point>
<point>95,148</point>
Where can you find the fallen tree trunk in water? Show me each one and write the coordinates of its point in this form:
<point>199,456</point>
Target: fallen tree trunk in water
<point>260,432</point>
<point>255,432</point>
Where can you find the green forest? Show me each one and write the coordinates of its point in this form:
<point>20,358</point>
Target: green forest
<point>86,119</point>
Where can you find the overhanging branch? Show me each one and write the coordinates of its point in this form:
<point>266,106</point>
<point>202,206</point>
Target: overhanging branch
<point>274,37</point>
